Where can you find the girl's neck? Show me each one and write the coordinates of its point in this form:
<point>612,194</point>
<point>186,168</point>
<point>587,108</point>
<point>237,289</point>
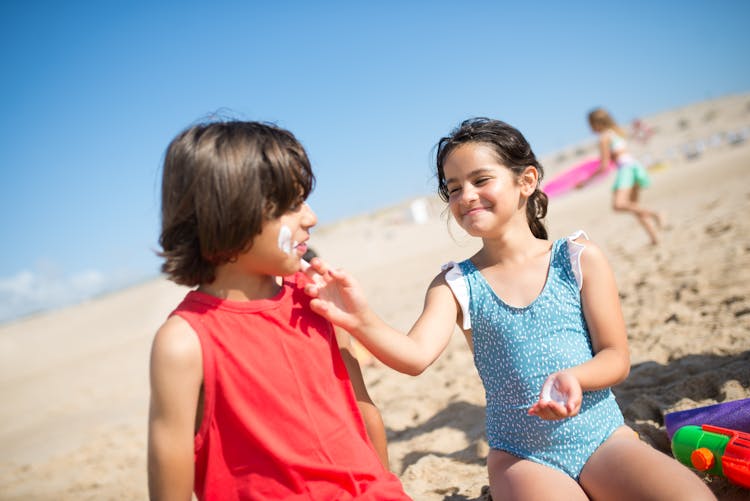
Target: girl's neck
<point>514,246</point>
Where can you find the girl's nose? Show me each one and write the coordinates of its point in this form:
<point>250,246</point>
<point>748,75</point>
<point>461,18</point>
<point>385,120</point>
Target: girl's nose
<point>468,194</point>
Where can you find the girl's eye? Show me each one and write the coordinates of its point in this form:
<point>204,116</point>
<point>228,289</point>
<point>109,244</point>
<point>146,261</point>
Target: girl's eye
<point>480,181</point>
<point>453,190</point>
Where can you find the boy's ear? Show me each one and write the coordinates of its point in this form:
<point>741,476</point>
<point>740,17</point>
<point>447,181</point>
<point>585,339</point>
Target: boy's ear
<point>529,180</point>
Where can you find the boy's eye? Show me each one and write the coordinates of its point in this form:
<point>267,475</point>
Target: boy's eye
<point>296,206</point>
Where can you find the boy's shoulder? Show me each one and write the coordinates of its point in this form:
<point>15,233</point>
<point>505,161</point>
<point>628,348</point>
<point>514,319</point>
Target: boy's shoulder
<point>176,343</point>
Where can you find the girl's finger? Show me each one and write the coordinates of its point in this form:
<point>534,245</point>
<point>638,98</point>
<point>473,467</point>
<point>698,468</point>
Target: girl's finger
<point>318,306</point>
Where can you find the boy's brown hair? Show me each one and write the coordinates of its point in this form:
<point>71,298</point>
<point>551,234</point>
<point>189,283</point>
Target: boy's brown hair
<point>221,181</point>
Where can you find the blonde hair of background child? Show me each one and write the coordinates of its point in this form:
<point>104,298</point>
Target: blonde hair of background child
<point>600,120</point>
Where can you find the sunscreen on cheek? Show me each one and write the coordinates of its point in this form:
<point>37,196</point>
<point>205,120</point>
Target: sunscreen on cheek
<point>285,239</point>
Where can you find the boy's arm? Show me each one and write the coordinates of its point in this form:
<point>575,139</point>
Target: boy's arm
<point>370,413</point>
<point>176,375</point>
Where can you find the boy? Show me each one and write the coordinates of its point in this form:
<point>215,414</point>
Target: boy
<point>250,398</point>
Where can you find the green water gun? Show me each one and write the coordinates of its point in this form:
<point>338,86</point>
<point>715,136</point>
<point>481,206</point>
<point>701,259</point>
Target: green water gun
<point>714,450</point>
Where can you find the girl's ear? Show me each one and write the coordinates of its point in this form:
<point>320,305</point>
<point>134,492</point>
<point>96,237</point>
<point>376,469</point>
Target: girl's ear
<point>529,180</point>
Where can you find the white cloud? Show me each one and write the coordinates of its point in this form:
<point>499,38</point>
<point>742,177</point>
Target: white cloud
<point>28,292</point>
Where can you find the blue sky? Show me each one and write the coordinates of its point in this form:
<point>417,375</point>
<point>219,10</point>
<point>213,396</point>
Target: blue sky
<point>93,91</point>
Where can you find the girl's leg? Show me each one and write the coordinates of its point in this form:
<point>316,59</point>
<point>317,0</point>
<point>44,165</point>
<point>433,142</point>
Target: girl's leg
<point>626,200</point>
<point>624,468</point>
<point>513,478</point>
<point>658,217</point>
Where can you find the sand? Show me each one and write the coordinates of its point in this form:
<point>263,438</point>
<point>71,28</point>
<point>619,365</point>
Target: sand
<point>75,381</point>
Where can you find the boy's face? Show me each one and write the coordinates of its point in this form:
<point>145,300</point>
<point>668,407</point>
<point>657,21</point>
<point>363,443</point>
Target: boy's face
<point>281,243</point>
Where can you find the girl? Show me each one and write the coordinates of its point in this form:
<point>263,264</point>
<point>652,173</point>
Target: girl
<point>544,322</point>
<point>250,397</point>
<point>631,175</point>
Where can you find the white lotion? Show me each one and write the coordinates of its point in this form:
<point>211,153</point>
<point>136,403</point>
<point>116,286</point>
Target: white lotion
<point>550,393</point>
<point>285,239</point>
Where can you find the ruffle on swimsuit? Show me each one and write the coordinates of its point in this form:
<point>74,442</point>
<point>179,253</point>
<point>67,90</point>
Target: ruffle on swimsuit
<point>455,278</point>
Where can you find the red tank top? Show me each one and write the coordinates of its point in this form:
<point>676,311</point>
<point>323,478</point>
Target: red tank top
<point>280,418</point>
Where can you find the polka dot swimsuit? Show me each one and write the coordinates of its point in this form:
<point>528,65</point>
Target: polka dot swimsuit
<point>516,349</point>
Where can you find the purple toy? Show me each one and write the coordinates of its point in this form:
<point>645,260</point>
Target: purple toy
<point>734,415</point>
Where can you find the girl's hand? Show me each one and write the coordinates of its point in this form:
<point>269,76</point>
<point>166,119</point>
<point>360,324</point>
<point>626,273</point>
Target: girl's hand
<point>336,296</point>
<point>560,397</point>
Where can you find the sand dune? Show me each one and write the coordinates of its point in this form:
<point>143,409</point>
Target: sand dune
<point>75,385</point>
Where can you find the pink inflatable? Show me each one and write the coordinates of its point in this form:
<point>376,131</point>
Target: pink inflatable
<point>572,177</point>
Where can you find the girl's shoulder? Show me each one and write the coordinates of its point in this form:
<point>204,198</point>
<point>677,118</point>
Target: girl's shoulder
<point>453,277</point>
<point>578,238</point>
<point>586,257</point>
<point>577,242</point>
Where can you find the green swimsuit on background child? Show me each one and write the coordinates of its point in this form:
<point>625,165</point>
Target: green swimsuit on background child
<point>630,172</point>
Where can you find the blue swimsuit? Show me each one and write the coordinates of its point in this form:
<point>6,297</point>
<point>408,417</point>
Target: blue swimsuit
<point>516,349</point>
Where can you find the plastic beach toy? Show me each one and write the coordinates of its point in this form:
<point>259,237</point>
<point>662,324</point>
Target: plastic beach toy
<point>733,415</point>
<point>572,177</point>
<point>714,450</point>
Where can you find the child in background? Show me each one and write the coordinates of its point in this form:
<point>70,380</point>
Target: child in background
<point>250,398</point>
<point>631,176</point>
<point>545,325</point>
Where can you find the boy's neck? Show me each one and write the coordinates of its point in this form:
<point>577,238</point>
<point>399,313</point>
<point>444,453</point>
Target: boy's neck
<point>241,287</point>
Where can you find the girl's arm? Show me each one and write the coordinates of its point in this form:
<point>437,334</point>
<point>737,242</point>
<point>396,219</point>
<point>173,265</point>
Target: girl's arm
<point>370,413</point>
<point>342,301</point>
<point>611,361</point>
<point>176,378</point>
<point>605,154</point>
<point>601,308</point>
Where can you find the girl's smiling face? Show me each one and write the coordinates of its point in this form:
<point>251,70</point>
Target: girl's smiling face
<point>483,194</point>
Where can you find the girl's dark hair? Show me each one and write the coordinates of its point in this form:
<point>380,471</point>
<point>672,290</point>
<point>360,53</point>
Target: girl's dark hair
<point>512,150</point>
<point>221,181</point>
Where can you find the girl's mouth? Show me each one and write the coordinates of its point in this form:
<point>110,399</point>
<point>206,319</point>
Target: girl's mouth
<point>473,211</point>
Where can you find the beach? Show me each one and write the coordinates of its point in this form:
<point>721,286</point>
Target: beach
<point>75,381</point>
